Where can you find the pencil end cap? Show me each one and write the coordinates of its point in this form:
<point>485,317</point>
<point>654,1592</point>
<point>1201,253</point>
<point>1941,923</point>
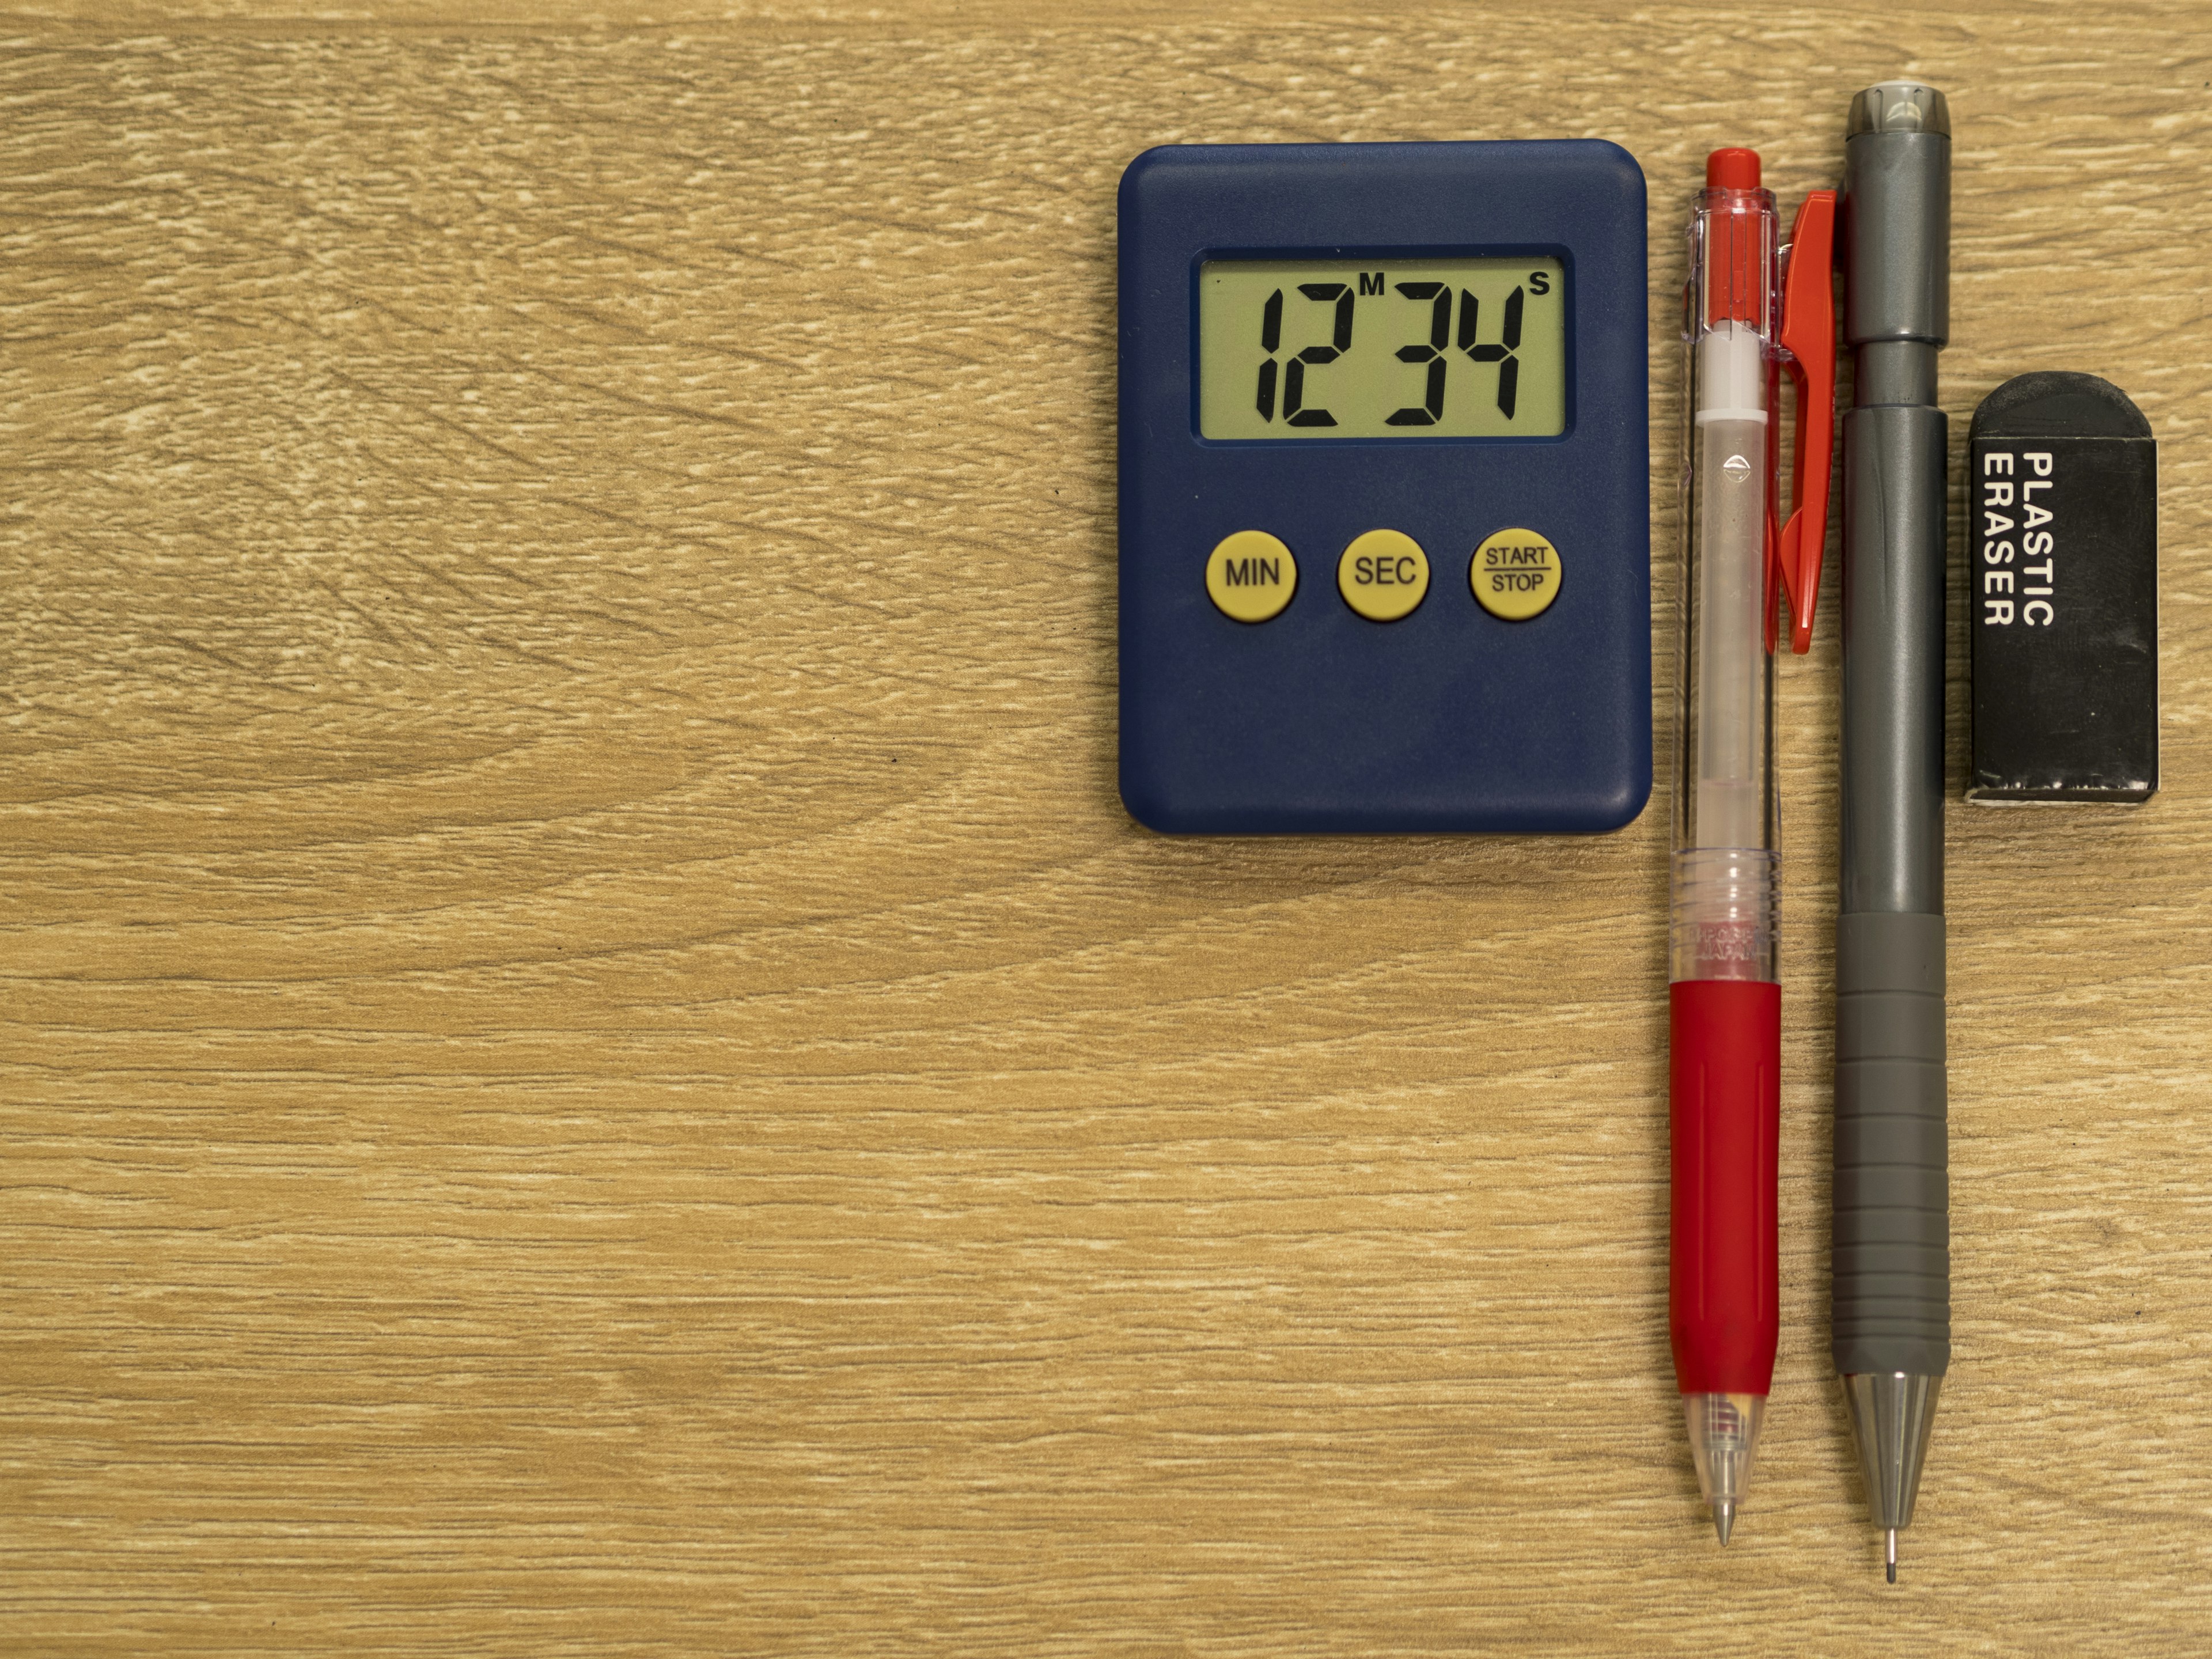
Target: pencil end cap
<point>1899,106</point>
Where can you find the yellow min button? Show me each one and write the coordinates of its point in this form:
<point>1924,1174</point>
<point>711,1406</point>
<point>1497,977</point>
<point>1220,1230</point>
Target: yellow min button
<point>1250,576</point>
<point>1515,575</point>
<point>1384,575</point>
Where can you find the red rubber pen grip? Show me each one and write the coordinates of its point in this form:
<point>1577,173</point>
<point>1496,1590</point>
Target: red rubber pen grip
<point>1724,1062</point>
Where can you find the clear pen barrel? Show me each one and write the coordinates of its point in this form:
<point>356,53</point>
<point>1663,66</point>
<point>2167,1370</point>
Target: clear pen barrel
<point>1725,846</point>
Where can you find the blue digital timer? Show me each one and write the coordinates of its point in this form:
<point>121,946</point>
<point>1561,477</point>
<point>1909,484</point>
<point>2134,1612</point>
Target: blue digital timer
<point>1385,543</point>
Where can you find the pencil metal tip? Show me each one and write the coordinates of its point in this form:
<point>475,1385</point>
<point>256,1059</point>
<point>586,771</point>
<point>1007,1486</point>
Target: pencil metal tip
<point>1891,1413</point>
<point>1890,1560</point>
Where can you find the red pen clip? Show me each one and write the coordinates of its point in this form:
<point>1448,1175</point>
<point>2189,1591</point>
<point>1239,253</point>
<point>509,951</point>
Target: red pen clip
<point>1807,338</point>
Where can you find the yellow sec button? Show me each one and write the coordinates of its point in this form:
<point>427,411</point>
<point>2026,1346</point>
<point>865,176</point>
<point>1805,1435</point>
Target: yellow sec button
<point>1250,576</point>
<point>1384,574</point>
<point>1515,575</point>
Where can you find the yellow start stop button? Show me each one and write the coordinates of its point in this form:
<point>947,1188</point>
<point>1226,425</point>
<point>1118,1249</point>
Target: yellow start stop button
<point>1515,575</point>
<point>1384,575</point>
<point>1250,576</point>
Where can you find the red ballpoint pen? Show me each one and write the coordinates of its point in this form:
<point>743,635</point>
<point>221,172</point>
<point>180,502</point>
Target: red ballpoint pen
<point>1744,330</point>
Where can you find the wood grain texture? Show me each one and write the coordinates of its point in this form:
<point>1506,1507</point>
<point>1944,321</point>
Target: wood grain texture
<point>590,1065</point>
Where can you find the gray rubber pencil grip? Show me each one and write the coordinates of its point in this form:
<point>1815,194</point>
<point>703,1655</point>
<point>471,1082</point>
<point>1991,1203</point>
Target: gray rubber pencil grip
<point>1893,1244</point>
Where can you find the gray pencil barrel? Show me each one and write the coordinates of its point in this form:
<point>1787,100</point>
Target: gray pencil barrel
<point>1892,1232</point>
<point>1893,726</point>
<point>1892,1306</point>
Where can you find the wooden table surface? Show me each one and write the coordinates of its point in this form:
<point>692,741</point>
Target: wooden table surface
<point>591,1065</point>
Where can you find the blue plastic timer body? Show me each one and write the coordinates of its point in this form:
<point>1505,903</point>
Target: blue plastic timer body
<point>1319,719</point>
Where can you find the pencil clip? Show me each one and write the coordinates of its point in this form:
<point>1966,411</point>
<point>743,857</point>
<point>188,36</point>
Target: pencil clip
<point>1807,341</point>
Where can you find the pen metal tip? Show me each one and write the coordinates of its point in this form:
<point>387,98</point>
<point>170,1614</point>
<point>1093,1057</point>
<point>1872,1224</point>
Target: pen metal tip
<point>1723,1520</point>
<point>1891,1556</point>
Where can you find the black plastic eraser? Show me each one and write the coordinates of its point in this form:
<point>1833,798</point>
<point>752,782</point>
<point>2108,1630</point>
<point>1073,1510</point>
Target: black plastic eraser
<point>2063,593</point>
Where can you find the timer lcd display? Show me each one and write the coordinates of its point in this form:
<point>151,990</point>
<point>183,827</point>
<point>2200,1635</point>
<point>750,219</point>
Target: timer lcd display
<point>1377,347</point>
